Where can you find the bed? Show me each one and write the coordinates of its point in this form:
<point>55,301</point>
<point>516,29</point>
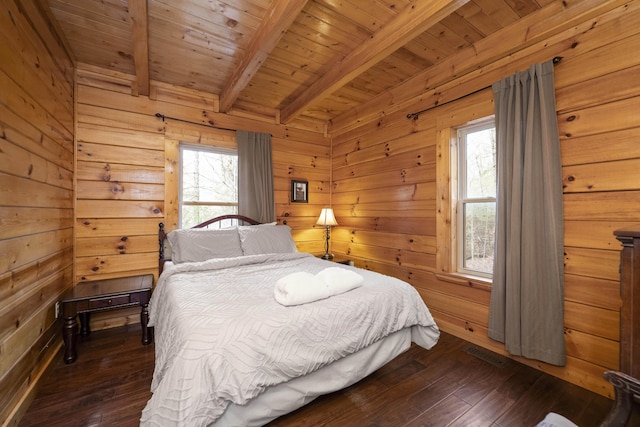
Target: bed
<point>230,351</point>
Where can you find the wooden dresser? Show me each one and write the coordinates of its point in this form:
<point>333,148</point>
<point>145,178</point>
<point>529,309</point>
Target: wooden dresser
<point>630,294</point>
<point>626,381</point>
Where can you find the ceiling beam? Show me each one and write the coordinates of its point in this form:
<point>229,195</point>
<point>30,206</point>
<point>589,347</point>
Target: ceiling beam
<point>277,20</point>
<point>140,41</point>
<point>412,21</point>
<point>425,88</point>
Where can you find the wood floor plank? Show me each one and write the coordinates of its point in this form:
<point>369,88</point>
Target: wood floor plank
<point>486,411</point>
<point>441,414</point>
<point>109,385</point>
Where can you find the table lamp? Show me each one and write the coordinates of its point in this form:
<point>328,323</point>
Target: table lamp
<point>327,219</point>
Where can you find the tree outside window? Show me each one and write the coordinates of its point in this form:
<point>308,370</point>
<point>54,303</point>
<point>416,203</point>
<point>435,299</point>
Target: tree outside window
<point>476,198</point>
<point>208,184</point>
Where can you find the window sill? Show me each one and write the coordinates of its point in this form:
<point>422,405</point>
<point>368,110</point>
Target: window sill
<point>466,280</point>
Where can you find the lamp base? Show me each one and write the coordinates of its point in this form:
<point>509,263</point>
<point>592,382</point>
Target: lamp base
<point>327,256</point>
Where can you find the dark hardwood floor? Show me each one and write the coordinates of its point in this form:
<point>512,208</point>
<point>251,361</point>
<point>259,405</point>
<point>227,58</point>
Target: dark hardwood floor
<point>447,386</point>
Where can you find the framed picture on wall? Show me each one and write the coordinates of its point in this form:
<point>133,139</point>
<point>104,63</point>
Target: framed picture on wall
<point>299,191</point>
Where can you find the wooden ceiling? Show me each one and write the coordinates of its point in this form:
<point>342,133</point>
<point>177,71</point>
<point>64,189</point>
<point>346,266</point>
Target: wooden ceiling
<point>294,60</point>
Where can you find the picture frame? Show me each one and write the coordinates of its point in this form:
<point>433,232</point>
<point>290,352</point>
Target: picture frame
<point>299,191</point>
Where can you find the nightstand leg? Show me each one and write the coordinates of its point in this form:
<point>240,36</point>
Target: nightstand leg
<point>85,324</point>
<point>147,332</point>
<point>70,337</point>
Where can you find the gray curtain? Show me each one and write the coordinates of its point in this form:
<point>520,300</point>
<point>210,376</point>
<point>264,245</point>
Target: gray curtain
<point>527,295</point>
<point>255,176</point>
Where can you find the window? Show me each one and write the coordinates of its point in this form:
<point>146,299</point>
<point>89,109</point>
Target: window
<point>476,199</point>
<point>208,184</point>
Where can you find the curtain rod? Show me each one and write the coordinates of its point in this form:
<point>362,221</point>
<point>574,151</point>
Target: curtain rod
<point>415,115</point>
<point>209,125</point>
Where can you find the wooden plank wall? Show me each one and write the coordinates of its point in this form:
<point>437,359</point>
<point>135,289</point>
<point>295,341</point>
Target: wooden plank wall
<point>386,185</point>
<point>384,189</point>
<point>36,198</point>
<point>128,165</point>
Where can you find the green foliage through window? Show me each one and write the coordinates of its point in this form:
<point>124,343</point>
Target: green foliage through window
<point>476,198</point>
<point>208,184</point>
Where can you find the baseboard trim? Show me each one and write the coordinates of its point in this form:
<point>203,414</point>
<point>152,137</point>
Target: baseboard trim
<point>18,411</point>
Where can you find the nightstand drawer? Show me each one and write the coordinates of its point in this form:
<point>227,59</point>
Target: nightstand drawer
<point>106,302</point>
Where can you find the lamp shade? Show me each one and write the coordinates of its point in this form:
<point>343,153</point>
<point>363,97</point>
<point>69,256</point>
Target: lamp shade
<point>327,217</point>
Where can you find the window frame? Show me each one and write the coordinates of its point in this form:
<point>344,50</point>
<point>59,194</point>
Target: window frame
<point>479,109</point>
<point>462,199</point>
<point>209,149</point>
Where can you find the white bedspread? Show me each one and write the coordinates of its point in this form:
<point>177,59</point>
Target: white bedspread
<point>221,336</point>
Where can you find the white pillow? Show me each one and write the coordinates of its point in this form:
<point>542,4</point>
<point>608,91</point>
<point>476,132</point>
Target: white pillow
<point>194,245</point>
<point>267,240</point>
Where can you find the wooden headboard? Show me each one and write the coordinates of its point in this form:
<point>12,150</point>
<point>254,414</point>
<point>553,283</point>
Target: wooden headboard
<point>219,221</point>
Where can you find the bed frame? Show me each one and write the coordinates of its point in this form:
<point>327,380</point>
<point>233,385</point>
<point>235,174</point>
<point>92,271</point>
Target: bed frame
<point>234,220</point>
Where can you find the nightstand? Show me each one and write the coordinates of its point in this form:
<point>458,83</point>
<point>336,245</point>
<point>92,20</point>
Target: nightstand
<point>341,260</point>
<point>101,295</point>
